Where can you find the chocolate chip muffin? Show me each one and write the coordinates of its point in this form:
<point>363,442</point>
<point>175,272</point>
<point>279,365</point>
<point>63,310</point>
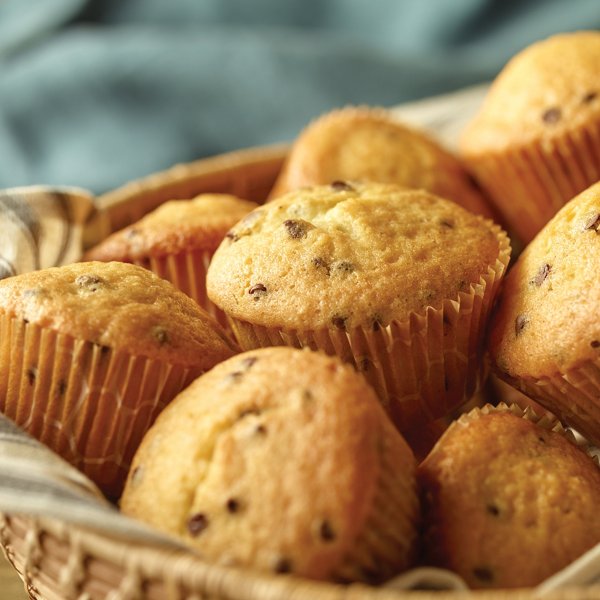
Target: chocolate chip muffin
<point>369,144</point>
<point>398,283</point>
<point>545,339</point>
<point>536,142</point>
<point>508,500</point>
<point>177,240</point>
<point>281,460</point>
<point>91,352</point>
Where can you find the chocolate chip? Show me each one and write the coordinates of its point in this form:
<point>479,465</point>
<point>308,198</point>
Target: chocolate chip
<point>233,237</point>
<point>261,429</point>
<point>320,263</point>
<point>339,322</point>
<point>253,410</point>
<point>492,509</point>
<point>248,362</point>
<point>341,186</point>
<point>595,343</point>
<point>232,505</point>
<point>552,115</point>
<point>344,267</point>
<point>589,97</point>
<point>326,532</point>
<point>258,290</point>
<point>90,282</point>
<point>446,223</point>
<point>296,229</point>
<point>520,323</point>
<point>543,272</point>
<point>282,565</point>
<point>234,376</point>
<point>61,388</point>
<point>104,349</point>
<point>593,223</point>
<point>484,574</point>
<point>541,439</point>
<point>160,335</point>
<point>197,524</point>
<point>31,375</point>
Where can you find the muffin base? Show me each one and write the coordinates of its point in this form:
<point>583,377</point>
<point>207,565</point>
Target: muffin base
<point>89,403</point>
<point>529,184</point>
<point>422,367</point>
<point>574,396</point>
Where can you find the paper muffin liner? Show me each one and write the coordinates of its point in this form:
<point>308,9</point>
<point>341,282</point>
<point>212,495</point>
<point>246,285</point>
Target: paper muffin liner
<point>387,544</point>
<point>422,367</point>
<point>574,396</point>
<point>89,403</point>
<point>531,183</point>
<point>187,272</point>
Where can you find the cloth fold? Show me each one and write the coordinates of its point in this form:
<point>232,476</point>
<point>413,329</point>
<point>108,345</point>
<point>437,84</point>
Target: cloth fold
<point>99,92</point>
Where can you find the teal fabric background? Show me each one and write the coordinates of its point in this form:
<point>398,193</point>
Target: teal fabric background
<point>95,93</point>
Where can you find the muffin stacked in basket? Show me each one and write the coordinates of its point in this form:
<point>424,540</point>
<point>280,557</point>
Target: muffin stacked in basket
<point>361,296</point>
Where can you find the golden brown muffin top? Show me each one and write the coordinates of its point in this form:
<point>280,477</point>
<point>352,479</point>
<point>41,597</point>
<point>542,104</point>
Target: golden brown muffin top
<point>175,226</point>
<point>368,144</point>
<point>272,459</point>
<point>349,255</point>
<point>507,502</point>
<point>547,89</point>
<point>546,320</point>
<point>120,306</point>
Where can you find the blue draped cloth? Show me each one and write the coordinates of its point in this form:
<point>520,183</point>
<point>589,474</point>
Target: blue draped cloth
<point>95,93</point>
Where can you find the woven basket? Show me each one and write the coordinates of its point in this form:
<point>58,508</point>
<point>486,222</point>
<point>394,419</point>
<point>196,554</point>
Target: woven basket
<point>58,561</point>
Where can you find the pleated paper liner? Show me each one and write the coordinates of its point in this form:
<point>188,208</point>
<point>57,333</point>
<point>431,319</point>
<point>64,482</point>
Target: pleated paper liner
<point>89,403</point>
<point>531,183</point>
<point>574,396</point>
<point>387,544</point>
<point>187,272</point>
<point>422,367</point>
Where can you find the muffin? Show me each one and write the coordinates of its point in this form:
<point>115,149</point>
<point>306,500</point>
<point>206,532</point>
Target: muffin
<point>545,338</point>
<point>508,500</point>
<point>177,240</point>
<point>368,144</point>
<point>397,282</point>
<point>281,460</point>
<point>91,352</point>
<point>536,141</point>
